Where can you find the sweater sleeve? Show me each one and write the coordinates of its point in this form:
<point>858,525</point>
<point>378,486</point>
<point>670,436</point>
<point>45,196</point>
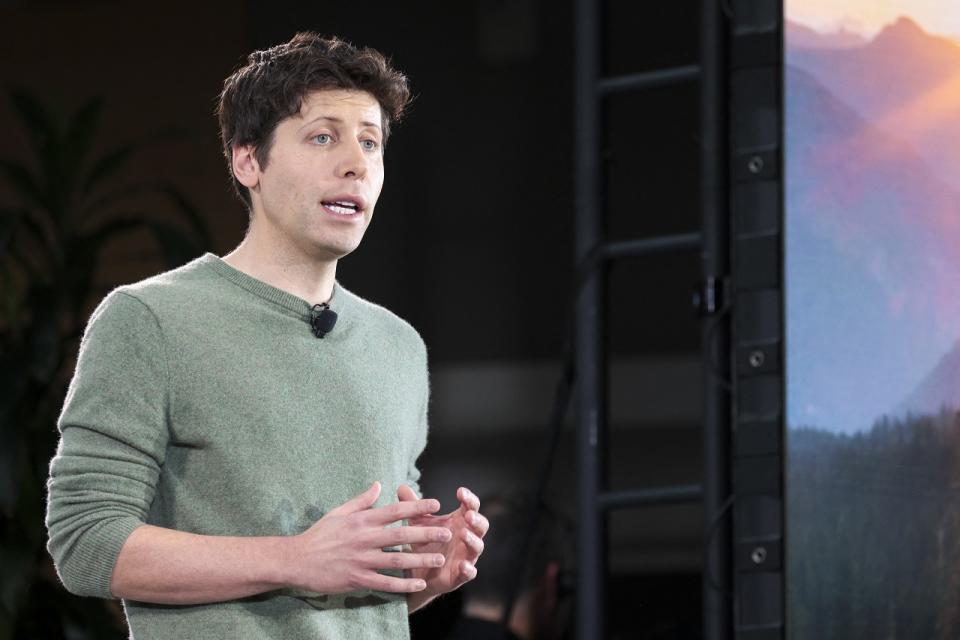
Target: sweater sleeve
<point>113,436</point>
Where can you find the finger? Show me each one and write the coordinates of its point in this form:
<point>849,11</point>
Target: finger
<point>380,582</point>
<point>406,494</point>
<point>467,570</point>
<point>402,511</point>
<point>478,522</point>
<point>393,536</point>
<point>403,560</point>
<point>363,501</point>
<point>473,542</point>
<point>468,499</point>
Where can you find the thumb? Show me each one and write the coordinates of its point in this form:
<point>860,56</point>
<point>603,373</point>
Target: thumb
<point>363,501</point>
<point>406,494</point>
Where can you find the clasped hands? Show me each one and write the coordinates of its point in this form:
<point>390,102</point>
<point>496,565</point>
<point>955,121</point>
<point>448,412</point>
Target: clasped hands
<point>344,550</point>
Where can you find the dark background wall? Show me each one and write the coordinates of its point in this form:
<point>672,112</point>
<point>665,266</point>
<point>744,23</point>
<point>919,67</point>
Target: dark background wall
<point>472,242</point>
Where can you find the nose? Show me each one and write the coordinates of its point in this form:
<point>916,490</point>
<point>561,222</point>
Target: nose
<point>353,162</point>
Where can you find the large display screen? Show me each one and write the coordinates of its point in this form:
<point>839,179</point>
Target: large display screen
<point>872,253</point>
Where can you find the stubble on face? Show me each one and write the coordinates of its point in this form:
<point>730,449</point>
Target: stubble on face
<point>321,155</point>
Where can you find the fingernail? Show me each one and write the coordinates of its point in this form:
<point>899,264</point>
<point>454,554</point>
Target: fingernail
<point>445,534</point>
<point>438,561</point>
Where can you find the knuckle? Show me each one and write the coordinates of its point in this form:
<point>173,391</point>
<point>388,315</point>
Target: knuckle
<point>396,561</point>
<point>354,581</point>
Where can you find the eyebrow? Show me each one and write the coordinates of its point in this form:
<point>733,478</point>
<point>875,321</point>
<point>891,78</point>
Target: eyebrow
<point>365,123</point>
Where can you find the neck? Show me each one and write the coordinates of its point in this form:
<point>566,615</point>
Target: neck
<point>283,266</point>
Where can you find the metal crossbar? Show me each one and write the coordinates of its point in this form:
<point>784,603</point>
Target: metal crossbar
<point>647,80</point>
<point>678,494</point>
<point>592,255</point>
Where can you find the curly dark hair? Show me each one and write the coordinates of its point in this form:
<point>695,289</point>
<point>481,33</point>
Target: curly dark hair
<point>275,81</point>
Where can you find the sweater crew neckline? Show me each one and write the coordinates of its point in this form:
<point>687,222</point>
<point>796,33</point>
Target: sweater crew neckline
<point>269,292</point>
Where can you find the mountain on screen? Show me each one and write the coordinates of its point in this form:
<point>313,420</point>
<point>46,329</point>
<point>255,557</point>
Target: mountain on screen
<point>904,80</point>
<point>802,36</point>
<point>940,389</point>
<point>872,237</point>
<point>860,180</point>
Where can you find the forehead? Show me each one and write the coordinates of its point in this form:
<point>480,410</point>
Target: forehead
<point>348,104</point>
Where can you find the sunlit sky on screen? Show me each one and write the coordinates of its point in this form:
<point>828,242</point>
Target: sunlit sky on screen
<point>869,16</point>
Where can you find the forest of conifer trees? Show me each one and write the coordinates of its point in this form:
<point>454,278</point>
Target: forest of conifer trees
<point>873,530</point>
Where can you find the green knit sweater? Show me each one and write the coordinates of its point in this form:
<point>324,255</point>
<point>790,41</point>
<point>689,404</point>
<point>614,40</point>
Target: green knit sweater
<point>203,402</point>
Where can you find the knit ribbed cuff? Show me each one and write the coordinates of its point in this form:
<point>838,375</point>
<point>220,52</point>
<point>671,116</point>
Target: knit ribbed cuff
<point>95,556</point>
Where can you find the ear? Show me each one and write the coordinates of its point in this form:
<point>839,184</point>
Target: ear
<point>245,166</point>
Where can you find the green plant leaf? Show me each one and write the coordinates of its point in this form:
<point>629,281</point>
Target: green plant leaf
<point>14,221</point>
<point>102,202</point>
<point>177,247</point>
<point>183,205</point>
<point>9,470</point>
<point>9,299</point>
<point>33,114</point>
<point>197,223</point>
<point>13,386</point>
<point>9,222</point>
<point>113,161</point>
<point>83,250</point>
<point>15,255</point>
<point>41,235</point>
<point>19,568</point>
<point>6,625</point>
<point>23,182</point>
<point>46,142</point>
<point>92,241</point>
<point>55,192</point>
<point>78,140</point>
<point>44,355</point>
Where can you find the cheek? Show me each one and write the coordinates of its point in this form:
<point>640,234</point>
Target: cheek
<point>377,179</point>
<point>286,185</point>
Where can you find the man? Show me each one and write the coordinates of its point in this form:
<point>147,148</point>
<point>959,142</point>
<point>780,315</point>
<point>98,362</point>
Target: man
<point>226,439</point>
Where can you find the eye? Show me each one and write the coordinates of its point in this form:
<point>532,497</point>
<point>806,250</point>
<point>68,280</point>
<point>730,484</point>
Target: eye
<point>370,145</point>
<point>322,138</point>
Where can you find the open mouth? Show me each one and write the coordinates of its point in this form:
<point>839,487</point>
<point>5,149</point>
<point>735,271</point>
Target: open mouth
<point>344,208</point>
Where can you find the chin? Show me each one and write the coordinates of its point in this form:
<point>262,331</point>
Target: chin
<point>333,252</point>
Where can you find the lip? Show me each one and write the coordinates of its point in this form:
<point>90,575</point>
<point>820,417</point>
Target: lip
<point>356,200</point>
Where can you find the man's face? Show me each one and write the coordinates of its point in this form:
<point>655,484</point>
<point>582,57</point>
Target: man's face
<point>324,174</point>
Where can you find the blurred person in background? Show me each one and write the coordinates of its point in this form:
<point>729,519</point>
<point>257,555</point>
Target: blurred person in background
<point>541,571</point>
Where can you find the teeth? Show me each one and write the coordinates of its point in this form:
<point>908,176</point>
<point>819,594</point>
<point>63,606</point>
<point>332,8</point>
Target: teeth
<point>341,210</point>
